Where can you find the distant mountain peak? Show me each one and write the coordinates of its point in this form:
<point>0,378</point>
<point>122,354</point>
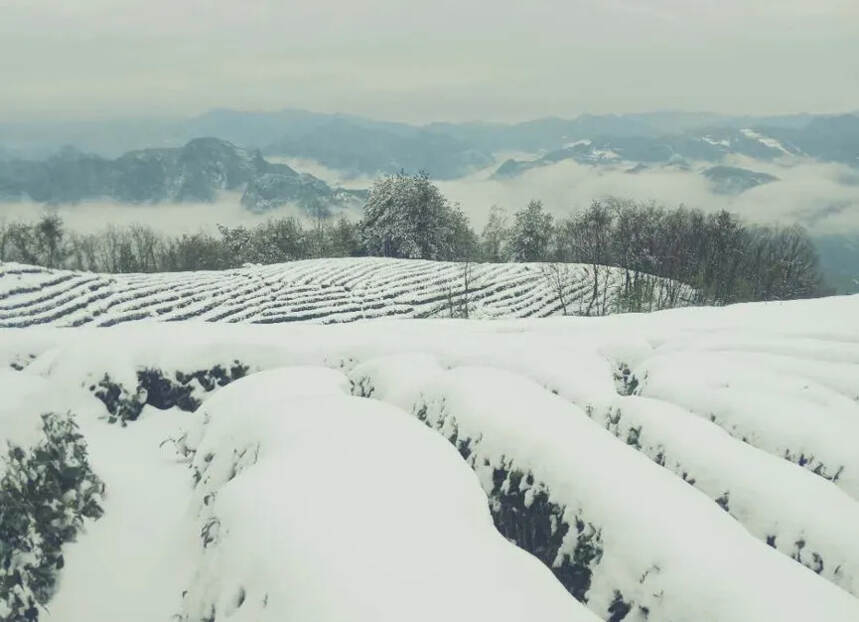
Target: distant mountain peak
<point>196,171</point>
<point>735,180</point>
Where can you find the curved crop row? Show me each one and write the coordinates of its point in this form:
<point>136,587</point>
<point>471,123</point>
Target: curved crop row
<point>527,445</point>
<point>323,291</point>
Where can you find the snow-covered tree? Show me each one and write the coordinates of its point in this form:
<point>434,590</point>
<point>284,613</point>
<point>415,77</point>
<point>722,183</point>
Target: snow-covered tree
<point>407,216</point>
<point>46,492</point>
<point>532,232</point>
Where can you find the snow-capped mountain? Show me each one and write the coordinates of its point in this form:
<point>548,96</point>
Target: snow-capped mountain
<point>713,146</point>
<point>359,146</point>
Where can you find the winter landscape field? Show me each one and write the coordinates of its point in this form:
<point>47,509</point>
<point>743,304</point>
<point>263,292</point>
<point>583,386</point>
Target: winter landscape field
<point>453,311</point>
<point>689,464</point>
<point>322,291</point>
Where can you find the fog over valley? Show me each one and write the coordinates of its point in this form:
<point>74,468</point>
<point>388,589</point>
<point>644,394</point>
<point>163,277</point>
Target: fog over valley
<point>249,168</point>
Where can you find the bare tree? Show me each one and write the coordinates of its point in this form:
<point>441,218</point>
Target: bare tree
<point>48,233</point>
<point>145,246</point>
<point>557,276</point>
<point>662,257</point>
<point>459,304</point>
<point>591,231</point>
<point>22,244</point>
<point>4,239</point>
<point>495,238</point>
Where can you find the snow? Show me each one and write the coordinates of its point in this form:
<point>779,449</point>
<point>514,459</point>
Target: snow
<point>783,411</point>
<point>510,418</point>
<point>772,143</point>
<point>716,143</point>
<point>19,419</point>
<point>378,516</point>
<point>605,154</point>
<point>335,506</point>
<point>24,398</point>
<point>743,477</point>
<point>316,290</point>
<point>583,142</point>
<point>132,563</point>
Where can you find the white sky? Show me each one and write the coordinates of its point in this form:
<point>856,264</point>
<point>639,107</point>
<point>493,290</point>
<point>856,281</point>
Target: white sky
<point>422,61</point>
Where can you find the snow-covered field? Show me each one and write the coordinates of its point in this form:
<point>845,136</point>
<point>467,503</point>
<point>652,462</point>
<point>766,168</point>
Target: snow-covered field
<point>696,464</point>
<point>315,290</point>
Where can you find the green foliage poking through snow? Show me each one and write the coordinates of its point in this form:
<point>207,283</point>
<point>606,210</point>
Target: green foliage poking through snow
<point>625,381</point>
<point>522,508</point>
<point>46,492</point>
<point>162,392</point>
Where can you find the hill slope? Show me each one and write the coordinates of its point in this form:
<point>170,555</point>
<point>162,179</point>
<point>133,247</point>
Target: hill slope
<point>317,290</point>
<point>693,464</point>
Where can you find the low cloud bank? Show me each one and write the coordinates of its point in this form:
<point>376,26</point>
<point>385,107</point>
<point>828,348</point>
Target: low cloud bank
<point>174,218</point>
<point>822,197</point>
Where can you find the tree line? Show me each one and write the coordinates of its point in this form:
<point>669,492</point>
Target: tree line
<point>721,258</point>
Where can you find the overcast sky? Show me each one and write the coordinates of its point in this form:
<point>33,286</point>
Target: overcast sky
<point>422,61</point>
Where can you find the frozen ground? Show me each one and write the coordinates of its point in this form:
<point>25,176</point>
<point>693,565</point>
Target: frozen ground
<point>685,465</point>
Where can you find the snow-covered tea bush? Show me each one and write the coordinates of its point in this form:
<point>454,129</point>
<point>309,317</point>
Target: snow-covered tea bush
<point>523,509</point>
<point>667,500</point>
<point>601,496</point>
<point>382,520</point>
<point>739,479</point>
<point>154,388</point>
<point>46,492</point>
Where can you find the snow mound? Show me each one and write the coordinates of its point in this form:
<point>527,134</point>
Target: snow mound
<point>692,464</point>
<point>776,407</point>
<point>786,506</point>
<point>317,504</point>
<point>521,439</point>
<point>24,398</point>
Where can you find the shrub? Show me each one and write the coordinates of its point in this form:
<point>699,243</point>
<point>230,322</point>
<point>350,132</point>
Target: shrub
<point>162,392</point>
<point>46,492</point>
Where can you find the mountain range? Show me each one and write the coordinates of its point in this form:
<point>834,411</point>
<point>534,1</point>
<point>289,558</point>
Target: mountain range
<point>161,160</point>
<point>825,139</point>
<point>361,146</point>
<point>195,172</point>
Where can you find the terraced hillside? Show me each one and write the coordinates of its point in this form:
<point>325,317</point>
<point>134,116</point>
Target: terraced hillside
<point>691,465</point>
<point>320,290</point>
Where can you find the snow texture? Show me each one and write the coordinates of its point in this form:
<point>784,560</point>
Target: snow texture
<point>685,465</point>
<point>315,290</point>
<point>316,503</point>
